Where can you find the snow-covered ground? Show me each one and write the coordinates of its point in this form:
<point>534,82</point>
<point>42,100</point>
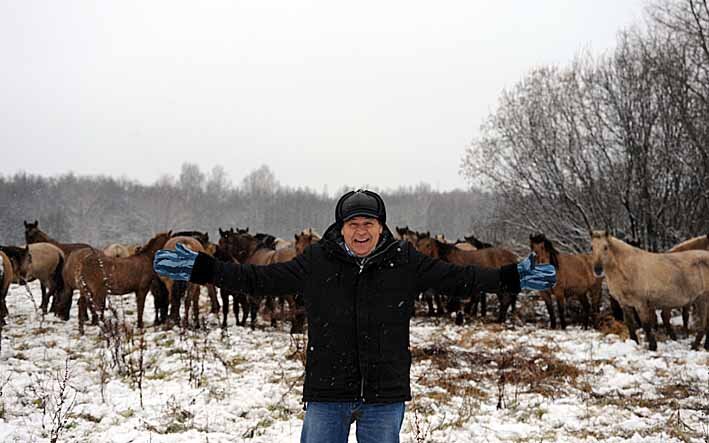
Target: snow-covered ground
<point>478,383</point>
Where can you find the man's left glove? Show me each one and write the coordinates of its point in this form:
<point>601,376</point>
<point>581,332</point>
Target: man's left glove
<point>175,264</point>
<point>537,277</point>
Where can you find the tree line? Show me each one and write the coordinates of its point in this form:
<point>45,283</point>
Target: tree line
<point>100,210</point>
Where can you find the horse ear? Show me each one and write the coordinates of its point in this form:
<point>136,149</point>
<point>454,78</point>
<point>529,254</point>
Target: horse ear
<point>169,233</point>
<point>221,233</point>
<point>36,223</point>
<point>25,222</point>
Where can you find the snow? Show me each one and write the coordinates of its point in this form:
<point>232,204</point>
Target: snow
<point>243,385</point>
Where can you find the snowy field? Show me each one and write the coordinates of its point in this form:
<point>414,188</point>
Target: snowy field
<point>478,383</point>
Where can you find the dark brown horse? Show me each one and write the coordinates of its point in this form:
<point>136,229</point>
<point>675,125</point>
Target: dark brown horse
<point>574,278</point>
<point>246,249</point>
<point>486,258</point>
<point>21,261</point>
<point>98,276</point>
<point>429,295</point>
<point>35,235</point>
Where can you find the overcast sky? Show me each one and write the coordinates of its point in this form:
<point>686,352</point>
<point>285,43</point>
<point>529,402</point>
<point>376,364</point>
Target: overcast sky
<point>326,93</point>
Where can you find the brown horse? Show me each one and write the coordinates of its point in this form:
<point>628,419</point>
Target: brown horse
<point>6,277</point>
<point>35,235</point>
<point>486,258</point>
<point>646,281</point>
<point>98,276</point>
<point>306,238</point>
<point>175,289</point>
<point>47,265</point>
<point>699,243</point>
<point>574,278</point>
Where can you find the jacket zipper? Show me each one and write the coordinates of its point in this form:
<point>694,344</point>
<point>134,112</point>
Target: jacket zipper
<point>361,268</point>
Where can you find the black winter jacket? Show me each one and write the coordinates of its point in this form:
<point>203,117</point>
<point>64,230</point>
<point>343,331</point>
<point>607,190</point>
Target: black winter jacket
<point>358,310</point>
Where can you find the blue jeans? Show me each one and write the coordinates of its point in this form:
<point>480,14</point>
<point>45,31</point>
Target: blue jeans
<point>329,422</point>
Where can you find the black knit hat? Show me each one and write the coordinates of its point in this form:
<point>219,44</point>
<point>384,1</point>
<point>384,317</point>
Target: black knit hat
<point>360,203</point>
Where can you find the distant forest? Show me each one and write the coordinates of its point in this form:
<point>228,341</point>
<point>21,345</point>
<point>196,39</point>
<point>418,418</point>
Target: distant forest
<point>103,210</point>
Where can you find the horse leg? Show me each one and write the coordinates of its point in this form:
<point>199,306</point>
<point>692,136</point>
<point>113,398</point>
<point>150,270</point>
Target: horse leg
<point>629,320</point>
<point>82,307</point>
<point>140,295</point>
<point>196,292</point>
<point>45,298</point>
<point>546,296</point>
<point>429,301</point>
<point>475,304</point>
<point>483,304</point>
<point>666,315</point>
<point>440,305</point>
<point>506,300</point>
<point>685,320</point>
<point>225,307</point>
<point>586,311</point>
<point>616,309</point>
<point>236,308</point>
<point>647,316</point>
<point>253,308</point>
<point>212,291</point>
<point>561,306</point>
<point>186,318</point>
<point>270,305</point>
<point>701,310</point>
<point>296,314</point>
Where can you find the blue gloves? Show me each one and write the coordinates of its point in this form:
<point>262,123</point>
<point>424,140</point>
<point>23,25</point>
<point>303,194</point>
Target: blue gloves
<point>537,277</point>
<point>175,265</point>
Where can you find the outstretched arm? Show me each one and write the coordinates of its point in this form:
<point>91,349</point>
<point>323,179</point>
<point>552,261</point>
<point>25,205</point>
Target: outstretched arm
<point>274,279</point>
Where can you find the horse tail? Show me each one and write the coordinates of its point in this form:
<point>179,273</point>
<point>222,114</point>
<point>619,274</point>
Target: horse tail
<point>57,278</point>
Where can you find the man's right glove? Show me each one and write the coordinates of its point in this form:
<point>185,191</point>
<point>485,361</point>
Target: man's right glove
<point>537,277</point>
<point>175,264</point>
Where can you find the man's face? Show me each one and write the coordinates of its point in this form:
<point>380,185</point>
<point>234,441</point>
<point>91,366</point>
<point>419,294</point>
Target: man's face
<point>362,234</point>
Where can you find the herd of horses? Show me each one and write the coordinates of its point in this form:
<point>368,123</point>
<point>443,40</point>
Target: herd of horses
<point>639,282</point>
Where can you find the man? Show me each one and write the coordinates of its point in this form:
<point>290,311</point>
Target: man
<point>358,286</point>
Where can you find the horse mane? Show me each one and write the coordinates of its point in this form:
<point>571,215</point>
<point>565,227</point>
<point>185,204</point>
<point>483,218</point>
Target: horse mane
<point>691,243</point>
<point>202,237</point>
<point>265,241</point>
<point>477,243</point>
<point>548,245</point>
<point>151,247</point>
<point>444,249</point>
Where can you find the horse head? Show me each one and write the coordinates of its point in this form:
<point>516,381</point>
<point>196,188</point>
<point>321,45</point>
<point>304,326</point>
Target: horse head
<point>544,249</point>
<point>602,254</point>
